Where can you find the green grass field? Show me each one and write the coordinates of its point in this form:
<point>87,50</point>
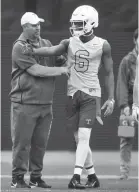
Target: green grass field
<point>58,169</point>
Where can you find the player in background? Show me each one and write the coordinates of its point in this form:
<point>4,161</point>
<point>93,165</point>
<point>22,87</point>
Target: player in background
<point>135,106</point>
<point>85,51</point>
<point>124,92</point>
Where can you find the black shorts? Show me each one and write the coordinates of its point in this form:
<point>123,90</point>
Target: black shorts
<point>81,110</point>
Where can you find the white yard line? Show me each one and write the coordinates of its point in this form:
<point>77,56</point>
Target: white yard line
<point>113,157</point>
<point>69,176</point>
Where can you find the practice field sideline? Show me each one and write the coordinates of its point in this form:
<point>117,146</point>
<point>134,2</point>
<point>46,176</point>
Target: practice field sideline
<point>58,169</point>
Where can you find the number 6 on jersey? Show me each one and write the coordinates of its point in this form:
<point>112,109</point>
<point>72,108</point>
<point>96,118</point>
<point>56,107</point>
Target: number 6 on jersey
<point>81,62</point>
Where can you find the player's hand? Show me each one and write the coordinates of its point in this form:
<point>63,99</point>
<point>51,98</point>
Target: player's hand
<point>28,50</point>
<point>98,110</point>
<point>135,112</point>
<point>98,118</point>
<point>66,71</point>
<point>109,105</point>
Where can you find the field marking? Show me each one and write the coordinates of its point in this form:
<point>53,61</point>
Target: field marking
<point>69,176</point>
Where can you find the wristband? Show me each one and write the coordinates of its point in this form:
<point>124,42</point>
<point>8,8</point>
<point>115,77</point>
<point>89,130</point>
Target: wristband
<point>112,101</point>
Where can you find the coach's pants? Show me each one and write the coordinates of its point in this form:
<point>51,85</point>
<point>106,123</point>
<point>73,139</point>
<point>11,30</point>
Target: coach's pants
<point>125,154</point>
<point>30,129</point>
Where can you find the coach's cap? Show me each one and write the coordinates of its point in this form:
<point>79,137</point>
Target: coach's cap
<point>30,17</point>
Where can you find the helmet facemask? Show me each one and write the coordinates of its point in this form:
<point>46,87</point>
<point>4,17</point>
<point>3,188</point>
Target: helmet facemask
<point>81,28</point>
<point>77,28</point>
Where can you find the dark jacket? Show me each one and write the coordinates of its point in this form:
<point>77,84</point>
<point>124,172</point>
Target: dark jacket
<point>25,88</point>
<point>125,80</point>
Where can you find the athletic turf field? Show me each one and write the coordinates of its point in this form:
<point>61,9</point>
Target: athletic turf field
<point>58,169</point>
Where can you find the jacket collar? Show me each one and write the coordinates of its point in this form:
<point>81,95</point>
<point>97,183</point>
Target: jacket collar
<point>22,37</point>
<point>134,52</point>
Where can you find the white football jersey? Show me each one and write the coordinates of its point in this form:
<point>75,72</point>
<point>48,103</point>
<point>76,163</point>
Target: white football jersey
<point>84,60</point>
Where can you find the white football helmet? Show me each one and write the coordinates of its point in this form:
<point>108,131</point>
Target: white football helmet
<point>83,20</point>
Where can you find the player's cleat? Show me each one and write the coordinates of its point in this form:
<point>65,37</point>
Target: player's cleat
<point>19,182</point>
<point>38,182</point>
<point>92,182</point>
<point>75,184</point>
<point>123,177</point>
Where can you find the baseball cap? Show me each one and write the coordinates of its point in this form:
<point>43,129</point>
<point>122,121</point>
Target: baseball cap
<point>30,17</point>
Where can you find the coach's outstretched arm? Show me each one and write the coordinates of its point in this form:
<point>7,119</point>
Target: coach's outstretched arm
<point>109,78</point>
<point>47,51</point>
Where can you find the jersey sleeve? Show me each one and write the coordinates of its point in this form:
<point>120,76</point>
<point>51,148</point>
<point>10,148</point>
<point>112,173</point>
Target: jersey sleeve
<point>23,61</point>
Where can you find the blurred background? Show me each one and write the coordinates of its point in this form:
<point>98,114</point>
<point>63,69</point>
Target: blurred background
<point>118,20</point>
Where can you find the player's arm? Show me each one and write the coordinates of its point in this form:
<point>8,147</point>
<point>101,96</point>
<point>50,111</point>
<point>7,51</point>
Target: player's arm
<point>48,51</point>
<point>109,79</point>
<point>108,66</point>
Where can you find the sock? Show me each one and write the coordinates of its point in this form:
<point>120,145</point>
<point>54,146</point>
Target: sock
<point>90,170</point>
<point>78,170</point>
<point>82,149</point>
<point>89,163</point>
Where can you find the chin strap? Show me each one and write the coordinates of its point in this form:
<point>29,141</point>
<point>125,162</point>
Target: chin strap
<point>89,34</point>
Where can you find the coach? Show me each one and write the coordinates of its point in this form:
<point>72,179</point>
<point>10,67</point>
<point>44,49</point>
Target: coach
<point>32,88</point>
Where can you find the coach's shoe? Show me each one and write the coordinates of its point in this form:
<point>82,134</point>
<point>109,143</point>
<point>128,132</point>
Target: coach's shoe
<point>92,181</point>
<point>75,184</point>
<point>38,182</point>
<point>19,182</point>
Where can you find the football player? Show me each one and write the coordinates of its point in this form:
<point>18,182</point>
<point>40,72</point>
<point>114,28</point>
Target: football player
<point>85,51</point>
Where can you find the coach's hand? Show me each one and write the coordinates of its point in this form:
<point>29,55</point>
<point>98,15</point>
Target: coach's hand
<point>28,50</point>
<point>109,105</point>
<point>66,71</point>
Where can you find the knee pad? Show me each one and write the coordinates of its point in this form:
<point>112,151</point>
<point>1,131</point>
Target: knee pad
<point>84,135</point>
